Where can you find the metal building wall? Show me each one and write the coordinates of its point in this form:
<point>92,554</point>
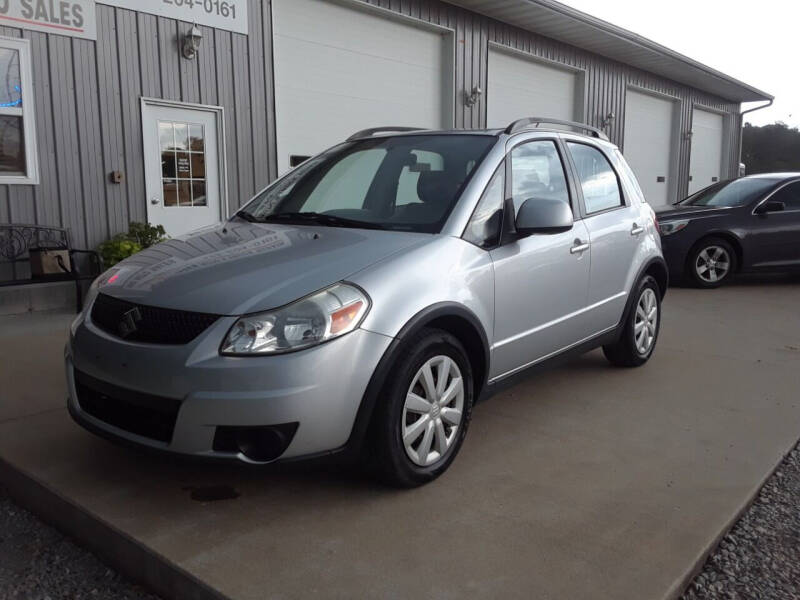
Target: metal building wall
<point>88,115</point>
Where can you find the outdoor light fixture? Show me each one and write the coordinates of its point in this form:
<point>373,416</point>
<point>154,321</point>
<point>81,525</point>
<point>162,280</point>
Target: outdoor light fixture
<point>472,97</point>
<point>608,120</point>
<point>191,42</point>
<point>689,134</point>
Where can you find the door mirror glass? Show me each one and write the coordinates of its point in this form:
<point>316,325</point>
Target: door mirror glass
<point>543,215</point>
<point>771,206</point>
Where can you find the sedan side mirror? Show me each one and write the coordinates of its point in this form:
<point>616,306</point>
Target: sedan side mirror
<point>543,215</point>
<point>771,206</point>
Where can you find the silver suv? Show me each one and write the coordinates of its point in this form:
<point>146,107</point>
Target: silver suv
<point>365,300</point>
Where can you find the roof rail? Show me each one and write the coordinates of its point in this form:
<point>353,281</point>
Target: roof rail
<point>522,123</point>
<point>372,131</point>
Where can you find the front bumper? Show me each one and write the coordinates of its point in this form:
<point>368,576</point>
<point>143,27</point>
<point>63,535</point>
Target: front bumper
<point>319,388</point>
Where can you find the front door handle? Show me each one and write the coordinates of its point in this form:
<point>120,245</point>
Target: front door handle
<point>636,229</point>
<point>579,247</point>
<point>154,200</point>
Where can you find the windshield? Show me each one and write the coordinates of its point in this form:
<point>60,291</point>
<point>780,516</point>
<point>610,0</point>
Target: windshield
<point>408,183</point>
<point>738,192</point>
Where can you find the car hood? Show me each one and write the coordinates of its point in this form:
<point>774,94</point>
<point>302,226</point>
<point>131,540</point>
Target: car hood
<point>239,268</point>
<point>678,211</point>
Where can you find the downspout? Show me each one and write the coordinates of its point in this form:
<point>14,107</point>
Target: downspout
<point>741,128</point>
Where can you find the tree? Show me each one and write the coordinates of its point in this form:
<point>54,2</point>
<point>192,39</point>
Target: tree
<point>771,148</point>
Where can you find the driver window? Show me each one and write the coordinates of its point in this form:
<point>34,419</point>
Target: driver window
<point>537,172</point>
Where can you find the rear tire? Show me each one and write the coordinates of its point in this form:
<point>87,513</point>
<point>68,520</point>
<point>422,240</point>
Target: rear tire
<point>640,333</point>
<point>711,263</point>
<point>424,411</point>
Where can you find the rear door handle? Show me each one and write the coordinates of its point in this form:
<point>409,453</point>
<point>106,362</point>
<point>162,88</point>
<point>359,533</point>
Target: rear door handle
<point>579,247</point>
<point>636,229</point>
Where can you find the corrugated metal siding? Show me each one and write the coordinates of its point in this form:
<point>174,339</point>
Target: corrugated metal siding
<point>88,115</point>
<point>606,81</point>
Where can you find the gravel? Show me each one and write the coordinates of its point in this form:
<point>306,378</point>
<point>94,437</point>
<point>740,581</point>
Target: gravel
<point>760,555</point>
<point>39,563</point>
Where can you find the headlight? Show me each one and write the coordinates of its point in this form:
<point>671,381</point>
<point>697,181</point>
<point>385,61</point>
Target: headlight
<point>671,227</point>
<point>312,320</point>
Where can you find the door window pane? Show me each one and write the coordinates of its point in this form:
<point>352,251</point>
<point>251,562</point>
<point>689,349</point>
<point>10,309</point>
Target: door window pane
<point>11,88</point>
<point>790,196</point>
<point>537,172</point>
<point>170,189</point>
<point>598,179</point>
<point>183,163</point>
<point>12,146</point>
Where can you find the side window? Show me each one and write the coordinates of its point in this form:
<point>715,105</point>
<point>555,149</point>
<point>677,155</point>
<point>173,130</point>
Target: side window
<point>484,227</point>
<point>537,172</point>
<point>790,196</point>
<point>409,176</point>
<point>598,179</point>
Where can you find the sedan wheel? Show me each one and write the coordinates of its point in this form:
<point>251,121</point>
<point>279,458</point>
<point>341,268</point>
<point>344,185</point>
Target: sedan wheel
<point>433,410</point>
<point>712,264</point>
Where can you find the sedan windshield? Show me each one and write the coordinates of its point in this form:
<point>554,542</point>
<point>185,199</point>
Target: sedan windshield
<point>738,192</point>
<point>408,183</point>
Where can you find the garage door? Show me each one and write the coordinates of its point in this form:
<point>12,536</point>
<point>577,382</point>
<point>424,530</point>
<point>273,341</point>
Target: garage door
<point>705,166</point>
<point>339,69</point>
<point>648,146</point>
<point>519,87</point>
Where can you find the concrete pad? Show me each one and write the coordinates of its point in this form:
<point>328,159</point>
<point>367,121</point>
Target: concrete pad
<point>582,482</point>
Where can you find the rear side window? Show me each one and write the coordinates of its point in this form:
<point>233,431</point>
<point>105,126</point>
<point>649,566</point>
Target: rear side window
<point>790,196</point>
<point>598,179</point>
<point>537,172</point>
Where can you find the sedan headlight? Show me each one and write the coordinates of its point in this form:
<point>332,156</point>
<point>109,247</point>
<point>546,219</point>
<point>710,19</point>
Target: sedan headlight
<point>309,321</point>
<point>670,227</point>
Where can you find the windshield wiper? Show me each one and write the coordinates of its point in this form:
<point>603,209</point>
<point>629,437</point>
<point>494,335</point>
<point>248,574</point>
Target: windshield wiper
<point>322,219</point>
<point>246,216</point>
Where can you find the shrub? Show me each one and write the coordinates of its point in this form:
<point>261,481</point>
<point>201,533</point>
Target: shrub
<point>123,245</point>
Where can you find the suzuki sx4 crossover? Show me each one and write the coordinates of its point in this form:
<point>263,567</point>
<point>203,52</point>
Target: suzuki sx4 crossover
<point>365,300</point>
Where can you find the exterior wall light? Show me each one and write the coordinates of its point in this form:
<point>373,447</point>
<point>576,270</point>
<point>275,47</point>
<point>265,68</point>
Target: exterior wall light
<point>472,97</point>
<point>191,42</point>
<point>689,134</point>
<point>607,120</point>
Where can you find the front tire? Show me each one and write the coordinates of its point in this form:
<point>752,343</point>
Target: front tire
<point>640,334</point>
<point>425,410</point>
<point>711,263</point>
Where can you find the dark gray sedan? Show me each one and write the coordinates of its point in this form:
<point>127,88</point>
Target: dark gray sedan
<point>746,224</point>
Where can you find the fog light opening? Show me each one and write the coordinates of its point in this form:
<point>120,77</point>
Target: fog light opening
<point>260,444</point>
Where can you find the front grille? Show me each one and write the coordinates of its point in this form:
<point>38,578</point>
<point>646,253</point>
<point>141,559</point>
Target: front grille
<point>143,414</point>
<point>150,324</point>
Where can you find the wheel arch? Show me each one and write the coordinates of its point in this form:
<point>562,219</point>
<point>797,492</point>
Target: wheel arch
<point>454,318</point>
<point>728,236</point>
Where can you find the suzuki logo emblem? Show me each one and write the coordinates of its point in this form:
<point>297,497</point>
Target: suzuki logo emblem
<point>129,322</point>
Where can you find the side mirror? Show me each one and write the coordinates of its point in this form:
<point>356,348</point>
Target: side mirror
<point>771,206</point>
<point>543,215</point>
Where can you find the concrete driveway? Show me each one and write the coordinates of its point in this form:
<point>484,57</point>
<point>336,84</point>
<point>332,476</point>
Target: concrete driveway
<point>581,482</point>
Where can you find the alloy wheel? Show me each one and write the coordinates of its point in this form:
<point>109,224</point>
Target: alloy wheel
<point>433,410</point>
<point>646,323</point>
<point>712,264</point>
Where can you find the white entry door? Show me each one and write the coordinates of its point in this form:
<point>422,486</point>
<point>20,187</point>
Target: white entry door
<point>705,165</point>
<point>182,167</point>
<point>649,144</point>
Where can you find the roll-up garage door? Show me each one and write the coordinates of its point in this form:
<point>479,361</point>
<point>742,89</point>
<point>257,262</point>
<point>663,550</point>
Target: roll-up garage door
<point>705,166</point>
<point>522,87</point>
<point>341,68</point>
<point>648,146</point>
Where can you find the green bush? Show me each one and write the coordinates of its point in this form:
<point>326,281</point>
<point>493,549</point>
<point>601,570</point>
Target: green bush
<point>123,245</point>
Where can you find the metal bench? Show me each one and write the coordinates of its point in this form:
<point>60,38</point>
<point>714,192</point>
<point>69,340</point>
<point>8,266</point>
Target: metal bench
<point>18,240</point>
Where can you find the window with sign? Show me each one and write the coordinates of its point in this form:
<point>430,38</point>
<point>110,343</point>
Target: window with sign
<point>183,163</point>
<point>18,163</point>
